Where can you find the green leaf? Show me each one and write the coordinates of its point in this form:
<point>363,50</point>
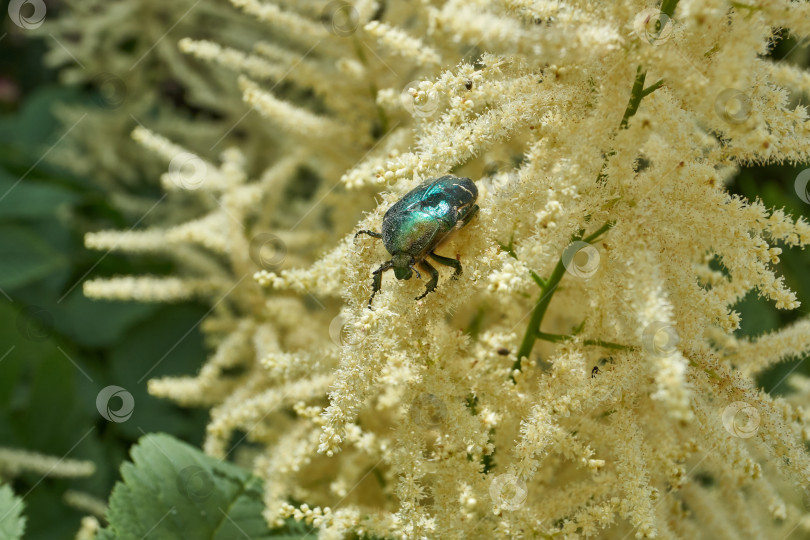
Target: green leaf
<point>98,323</point>
<point>35,128</point>
<point>172,490</point>
<point>52,418</point>
<point>29,198</point>
<point>169,342</point>
<point>12,522</point>
<point>757,315</point>
<point>24,257</point>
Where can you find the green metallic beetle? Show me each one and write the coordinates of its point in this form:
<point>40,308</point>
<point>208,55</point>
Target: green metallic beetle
<point>417,223</point>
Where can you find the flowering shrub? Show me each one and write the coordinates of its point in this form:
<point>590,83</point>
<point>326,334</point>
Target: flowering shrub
<point>582,376</point>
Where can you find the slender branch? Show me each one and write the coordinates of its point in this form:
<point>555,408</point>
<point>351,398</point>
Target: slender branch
<point>562,338</point>
<point>599,232</point>
<point>668,7</point>
<point>537,279</point>
<point>652,88</point>
<point>635,97</point>
<point>539,311</point>
<point>637,94</point>
<point>548,288</point>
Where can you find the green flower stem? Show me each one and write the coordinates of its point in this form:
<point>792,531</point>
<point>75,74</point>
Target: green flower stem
<point>635,96</point>
<point>539,312</point>
<point>599,232</point>
<point>562,338</point>
<point>652,88</point>
<point>668,7</point>
<point>548,287</point>
<point>510,249</point>
<point>537,279</point>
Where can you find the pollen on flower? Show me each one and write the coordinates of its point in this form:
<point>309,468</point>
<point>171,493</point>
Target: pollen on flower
<point>512,276</point>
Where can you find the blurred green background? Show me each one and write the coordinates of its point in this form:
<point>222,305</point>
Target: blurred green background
<point>59,349</point>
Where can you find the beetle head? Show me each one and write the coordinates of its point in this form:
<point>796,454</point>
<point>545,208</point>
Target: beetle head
<point>402,265</point>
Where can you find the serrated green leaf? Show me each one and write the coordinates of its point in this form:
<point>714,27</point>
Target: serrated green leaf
<point>12,522</point>
<point>24,257</point>
<point>172,490</point>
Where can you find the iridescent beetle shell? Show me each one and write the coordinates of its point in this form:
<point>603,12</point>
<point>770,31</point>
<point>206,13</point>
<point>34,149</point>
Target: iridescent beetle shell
<point>417,223</point>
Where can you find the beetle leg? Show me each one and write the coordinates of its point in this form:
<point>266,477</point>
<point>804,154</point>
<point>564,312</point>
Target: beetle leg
<point>377,283</point>
<point>370,233</point>
<point>447,261</point>
<point>417,272</point>
<point>434,279</point>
